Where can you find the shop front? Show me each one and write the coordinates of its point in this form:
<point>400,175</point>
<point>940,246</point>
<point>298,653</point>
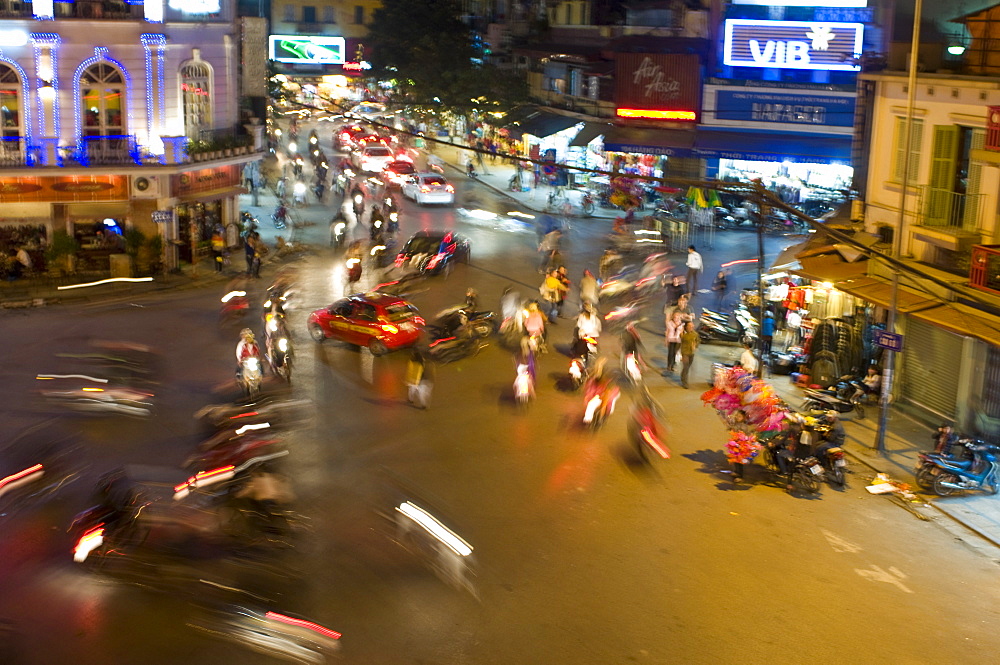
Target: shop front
<point>203,201</point>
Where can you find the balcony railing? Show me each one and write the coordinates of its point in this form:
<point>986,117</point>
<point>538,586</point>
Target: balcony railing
<point>942,207</point>
<point>12,152</point>
<point>119,150</point>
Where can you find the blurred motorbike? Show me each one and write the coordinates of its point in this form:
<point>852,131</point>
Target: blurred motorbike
<point>251,375</point>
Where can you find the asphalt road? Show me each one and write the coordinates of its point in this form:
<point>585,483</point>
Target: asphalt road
<point>582,555</point>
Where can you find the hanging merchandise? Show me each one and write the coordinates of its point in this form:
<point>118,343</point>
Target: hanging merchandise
<point>695,197</point>
<point>739,396</point>
<point>625,192</point>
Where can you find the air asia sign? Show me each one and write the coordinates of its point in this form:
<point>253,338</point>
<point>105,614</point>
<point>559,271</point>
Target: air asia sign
<point>793,44</point>
<point>658,86</point>
<point>307,50</point>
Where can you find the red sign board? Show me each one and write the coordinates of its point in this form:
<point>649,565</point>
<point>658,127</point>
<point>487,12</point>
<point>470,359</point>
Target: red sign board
<point>59,189</point>
<point>658,86</point>
<point>993,128</point>
<point>206,180</point>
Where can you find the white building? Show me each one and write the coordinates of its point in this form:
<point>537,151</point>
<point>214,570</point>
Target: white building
<point>103,101</point>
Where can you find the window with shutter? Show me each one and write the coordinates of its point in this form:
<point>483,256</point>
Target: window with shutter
<point>916,136</point>
<point>973,192</point>
<point>940,196</point>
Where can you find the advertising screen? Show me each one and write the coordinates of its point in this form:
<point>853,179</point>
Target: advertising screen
<point>793,44</point>
<point>307,50</point>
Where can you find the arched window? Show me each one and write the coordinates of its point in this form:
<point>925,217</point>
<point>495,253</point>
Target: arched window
<point>10,102</point>
<point>102,96</point>
<point>196,93</point>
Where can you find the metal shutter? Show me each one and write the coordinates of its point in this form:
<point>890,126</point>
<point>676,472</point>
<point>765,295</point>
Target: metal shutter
<point>931,362</point>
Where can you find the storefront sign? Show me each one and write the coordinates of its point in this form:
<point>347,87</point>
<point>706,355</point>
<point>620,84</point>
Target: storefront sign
<point>658,86</point>
<point>888,340</point>
<point>751,106</point>
<point>307,50</point>
<point>205,180</point>
<point>195,6</point>
<point>803,3</point>
<point>793,44</point>
<point>64,189</point>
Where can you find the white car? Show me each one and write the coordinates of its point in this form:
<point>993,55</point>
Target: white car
<point>373,158</point>
<point>427,188</point>
<point>369,110</point>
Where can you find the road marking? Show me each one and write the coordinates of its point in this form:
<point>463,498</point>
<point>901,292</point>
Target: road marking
<point>839,544</point>
<point>891,576</point>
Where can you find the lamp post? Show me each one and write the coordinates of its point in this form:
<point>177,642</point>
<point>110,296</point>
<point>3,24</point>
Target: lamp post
<point>897,238</point>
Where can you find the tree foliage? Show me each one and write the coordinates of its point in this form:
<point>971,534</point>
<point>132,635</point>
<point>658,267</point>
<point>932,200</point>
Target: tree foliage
<point>430,55</point>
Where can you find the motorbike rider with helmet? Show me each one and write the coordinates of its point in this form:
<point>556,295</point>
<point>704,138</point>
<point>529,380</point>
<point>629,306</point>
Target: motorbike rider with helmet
<point>833,437</point>
<point>246,348</point>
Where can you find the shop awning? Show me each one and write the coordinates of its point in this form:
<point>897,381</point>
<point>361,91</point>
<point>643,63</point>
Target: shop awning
<point>545,124</point>
<point>829,268</point>
<point>879,292</point>
<point>648,141</point>
<point>590,131</point>
<point>963,320</point>
<point>773,146</point>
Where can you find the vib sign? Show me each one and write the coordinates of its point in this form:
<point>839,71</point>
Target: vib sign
<point>793,44</point>
<point>307,50</point>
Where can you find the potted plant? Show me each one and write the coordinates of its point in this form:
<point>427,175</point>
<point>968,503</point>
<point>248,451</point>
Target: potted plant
<point>61,253</point>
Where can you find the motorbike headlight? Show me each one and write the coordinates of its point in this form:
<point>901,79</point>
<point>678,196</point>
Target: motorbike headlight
<point>252,364</point>
<point>283,344</point>
<point>339,227</point>
<point>393,216</point>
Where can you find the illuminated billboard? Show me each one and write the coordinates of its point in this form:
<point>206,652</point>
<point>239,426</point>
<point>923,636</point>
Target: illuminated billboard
<point>657,86</point>
<point>307,50</point>
<point>793,44</point>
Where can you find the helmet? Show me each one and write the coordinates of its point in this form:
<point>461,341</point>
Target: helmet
<point>246,332</point>
<point>832,415</point>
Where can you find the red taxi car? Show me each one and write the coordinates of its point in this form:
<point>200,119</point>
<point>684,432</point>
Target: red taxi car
<point>378,321</point>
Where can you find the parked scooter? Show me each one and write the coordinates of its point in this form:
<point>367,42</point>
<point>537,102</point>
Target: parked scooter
<point>280,216</point>
<point>823,400</point>
<point>981,473</point>
<point>716,327</point>
<point>962,452</point>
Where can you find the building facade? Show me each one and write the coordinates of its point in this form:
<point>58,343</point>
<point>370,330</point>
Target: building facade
<point>123,115</point>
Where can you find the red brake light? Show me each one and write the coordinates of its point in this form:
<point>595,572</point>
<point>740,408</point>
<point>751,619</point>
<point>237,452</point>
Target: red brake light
<point>425,188</point>
<point>449,189</point>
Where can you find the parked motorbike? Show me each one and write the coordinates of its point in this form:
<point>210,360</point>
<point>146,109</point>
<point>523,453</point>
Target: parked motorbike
<point>981,473</point>
<point>823,400</point>
<point>833,461</point>
<point>716,327</point>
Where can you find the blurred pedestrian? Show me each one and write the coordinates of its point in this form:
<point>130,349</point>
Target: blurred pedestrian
<point>551,291</point>
<point>549,244</point>
<point>418,383</point>
<point>766,334</point>
<point>675,289</point>
<point>248,248</point>
<point>689,344</point>
<point>611,263</point>
<point>563,278</point>
<point>534,329</point>
<point>694,266</point>
<point>720,285</point>
<point>589,291</point>
<point>260,251</point>
<point>218,247</point>
<point>675,328</point>
<point>683,306</point>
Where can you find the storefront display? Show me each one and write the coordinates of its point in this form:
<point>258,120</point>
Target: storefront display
<point>794,182</point>
<point>195,224</point>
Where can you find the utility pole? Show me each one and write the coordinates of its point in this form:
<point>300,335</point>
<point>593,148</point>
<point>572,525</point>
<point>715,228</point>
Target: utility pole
<point>897,237</point>
<point>760,199</point>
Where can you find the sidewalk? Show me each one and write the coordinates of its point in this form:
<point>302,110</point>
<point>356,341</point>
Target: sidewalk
<point>497,177</point>
<point>905,438</point>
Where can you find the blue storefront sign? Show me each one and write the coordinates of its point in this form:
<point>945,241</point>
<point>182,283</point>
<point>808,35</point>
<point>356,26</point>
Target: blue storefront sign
<point>793,44</point>
<point>806,108</point>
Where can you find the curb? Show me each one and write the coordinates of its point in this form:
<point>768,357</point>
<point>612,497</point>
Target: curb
<point>865,462</point>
